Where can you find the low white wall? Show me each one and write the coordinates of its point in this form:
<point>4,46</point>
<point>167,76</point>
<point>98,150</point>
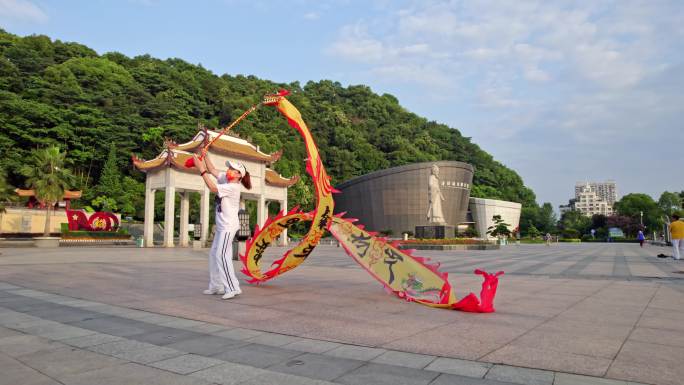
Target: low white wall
<point>19,220</point>
<point>29,221</point>
<point>482,211</point>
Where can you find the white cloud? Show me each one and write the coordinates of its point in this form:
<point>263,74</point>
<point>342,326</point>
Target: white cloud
<point>21,11</point>
<point>415,74</point>
<point>312,16</point>
<point>354,44</point>
<point>592,75</point>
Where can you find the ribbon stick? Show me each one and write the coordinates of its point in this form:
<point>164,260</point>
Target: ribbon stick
<point>190,162</point>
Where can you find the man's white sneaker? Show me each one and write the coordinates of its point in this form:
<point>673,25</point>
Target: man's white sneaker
<point>238,292</point>
<point>213,291</point>
<point>228,295</point>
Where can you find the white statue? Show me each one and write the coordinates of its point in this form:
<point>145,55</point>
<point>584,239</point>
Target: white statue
<point>435,214</point>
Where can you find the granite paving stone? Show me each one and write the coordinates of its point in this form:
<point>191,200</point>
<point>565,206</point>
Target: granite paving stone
<point>135,351</point>
<point>186,364</point>
<point>311,346</point>
<point>405,359</point>
<point>22,304</point>
<point>275,378</point>
<point>258,356</point>
<point>239,333</point>
<point>639,361</point>
<point>90,340</point>
<point>380,374</point>
<point>117,326</point>
<point>5,332</point>
<point>165,336</point>
<point>317,366</point>
<point>64,314</point>
<point>154,318</point>
<point>354,352</point>
<point>549,360</point>
<point>519,375</point>
<point>273,339</point>
<point>131,374</point>
<point>15,372</point>
<point>453,379</point>
<point>566,308</point>
<point>27,322</point>
<point>575,379</point>
<point>207,345</point>
<point>205,327</point>
<point>59,363</point>
<point>181,323</point>
<point>16,346</point>
<point>658,336</point>
<point>57,331</point>
<point>228,373</point>
<point>459,367</point>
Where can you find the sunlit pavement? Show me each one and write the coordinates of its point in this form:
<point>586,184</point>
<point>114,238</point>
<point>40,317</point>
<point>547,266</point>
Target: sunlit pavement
<point>127,315</point>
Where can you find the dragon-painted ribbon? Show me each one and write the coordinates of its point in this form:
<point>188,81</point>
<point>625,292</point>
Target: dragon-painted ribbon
<point>410,277</point>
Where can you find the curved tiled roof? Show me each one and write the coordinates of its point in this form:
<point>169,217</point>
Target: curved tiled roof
<point>174,157</point>
<point>275,179</point>
<point>68,194</point>
<point>227,145</point>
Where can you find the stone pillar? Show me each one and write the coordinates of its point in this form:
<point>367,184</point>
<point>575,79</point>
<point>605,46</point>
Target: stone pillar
<point>184,218</point>
<point>169,206</point>
<point>262,211</point>
<point>204,215</point>
<point>283,235</point>
<point>169,214</point>
<point>148,228</point>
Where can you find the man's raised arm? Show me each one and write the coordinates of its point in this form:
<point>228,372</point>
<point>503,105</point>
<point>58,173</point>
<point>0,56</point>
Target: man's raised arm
<point>204,172</point>
<point>210,167</point>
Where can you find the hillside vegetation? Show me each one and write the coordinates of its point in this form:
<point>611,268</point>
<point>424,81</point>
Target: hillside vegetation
<point>54,92</point>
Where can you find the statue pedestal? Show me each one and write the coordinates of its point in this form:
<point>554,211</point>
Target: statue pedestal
<point>436,231</point>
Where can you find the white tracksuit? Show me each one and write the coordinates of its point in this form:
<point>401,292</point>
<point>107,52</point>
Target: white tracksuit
<point>221,272</point>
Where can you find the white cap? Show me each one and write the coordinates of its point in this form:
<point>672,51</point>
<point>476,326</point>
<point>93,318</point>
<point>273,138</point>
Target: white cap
<point>237,166</point>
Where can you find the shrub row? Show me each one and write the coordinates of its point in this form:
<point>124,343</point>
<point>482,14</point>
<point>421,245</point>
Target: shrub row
<point>96,235</point>
<point>445,241</point>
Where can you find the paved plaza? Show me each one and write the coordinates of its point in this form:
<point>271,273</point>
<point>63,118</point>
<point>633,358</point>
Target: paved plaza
<point>566,314</point>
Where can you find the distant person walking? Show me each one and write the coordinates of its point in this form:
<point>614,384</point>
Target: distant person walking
<point>641,238</point>
<point>547,237</point>
<point>677,236</point>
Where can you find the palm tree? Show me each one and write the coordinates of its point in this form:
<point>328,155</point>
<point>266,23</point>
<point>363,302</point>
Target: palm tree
<point>48,178</point>
<point>4,190</point>
<point>4,194</point>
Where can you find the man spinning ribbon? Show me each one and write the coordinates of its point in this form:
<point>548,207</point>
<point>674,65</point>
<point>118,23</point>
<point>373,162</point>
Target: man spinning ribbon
<point>222,279</point>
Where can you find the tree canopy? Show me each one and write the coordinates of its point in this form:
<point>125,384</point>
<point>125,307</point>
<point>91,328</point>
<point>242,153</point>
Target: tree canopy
<point>47,175</point>
<point>102,108</point>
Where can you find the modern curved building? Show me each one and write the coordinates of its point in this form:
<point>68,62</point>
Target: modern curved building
<point>397,198</point>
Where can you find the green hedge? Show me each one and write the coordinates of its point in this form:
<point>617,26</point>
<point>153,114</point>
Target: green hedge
<point>613,240</point>
<point>534,241</point>
<point>444,241</point>
<point>96,235</point>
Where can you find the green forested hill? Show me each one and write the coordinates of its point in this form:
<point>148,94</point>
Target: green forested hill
<point>52,92</point>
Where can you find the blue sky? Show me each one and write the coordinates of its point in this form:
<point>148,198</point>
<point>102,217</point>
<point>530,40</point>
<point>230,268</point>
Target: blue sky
<point>560,91</point>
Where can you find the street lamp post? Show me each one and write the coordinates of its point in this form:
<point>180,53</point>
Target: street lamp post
<point>641,218</point>
<point>242,235</point>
